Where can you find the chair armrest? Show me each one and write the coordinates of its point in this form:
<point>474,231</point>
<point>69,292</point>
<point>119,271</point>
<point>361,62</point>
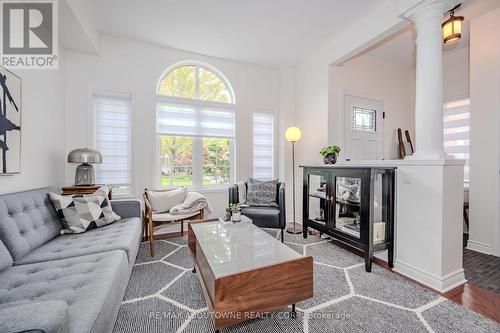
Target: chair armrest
<point>127,208</point>
<point>233,194</point>
<point>43,317</point>
<point>281,205</point>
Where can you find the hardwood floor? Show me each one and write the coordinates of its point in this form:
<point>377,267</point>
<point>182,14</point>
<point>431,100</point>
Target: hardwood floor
<point>474,298</point>
<point>477,299</point>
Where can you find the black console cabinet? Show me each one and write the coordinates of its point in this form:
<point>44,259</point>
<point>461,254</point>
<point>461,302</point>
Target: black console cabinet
<point>354,205</point>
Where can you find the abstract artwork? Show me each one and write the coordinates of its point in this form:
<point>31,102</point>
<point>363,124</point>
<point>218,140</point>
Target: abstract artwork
<point>10,122</point>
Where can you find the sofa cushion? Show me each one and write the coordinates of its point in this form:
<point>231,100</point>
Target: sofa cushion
<point>162,201</point>
<point>122,235</point>
<point>264,217</point>
<point>81,212</point>
<point>48,316</point>
<point>92,286</point>
<point>27,221</point>
<point>5,258</point>
<point>127,208</point>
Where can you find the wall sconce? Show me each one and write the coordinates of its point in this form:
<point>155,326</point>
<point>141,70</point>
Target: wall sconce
<point>452,27</point>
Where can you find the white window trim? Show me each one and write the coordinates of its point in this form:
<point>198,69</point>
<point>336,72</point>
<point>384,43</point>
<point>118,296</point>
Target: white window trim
<point>101,92</point>
<point>197,172</point>
<point>197,153</point>
<point>197,64</point>
<point>197,177</point>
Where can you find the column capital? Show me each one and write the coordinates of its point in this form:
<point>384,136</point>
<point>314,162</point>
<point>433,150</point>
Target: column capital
<point>423,8</point>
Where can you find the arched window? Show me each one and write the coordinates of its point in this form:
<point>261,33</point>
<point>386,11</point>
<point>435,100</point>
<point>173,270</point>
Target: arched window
<point>195,126</point>
<point>196,81</point>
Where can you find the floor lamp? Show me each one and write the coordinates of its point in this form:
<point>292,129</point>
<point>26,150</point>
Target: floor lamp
<point>293,135</point>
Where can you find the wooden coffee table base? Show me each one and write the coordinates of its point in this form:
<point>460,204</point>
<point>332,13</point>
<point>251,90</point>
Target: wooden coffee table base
<point>246,295</point>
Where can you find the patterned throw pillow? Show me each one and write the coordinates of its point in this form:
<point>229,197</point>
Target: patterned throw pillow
<point>82,212</point>
<point>261,193</point>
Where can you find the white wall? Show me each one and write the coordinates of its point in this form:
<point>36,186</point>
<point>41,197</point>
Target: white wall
<point>484,234</point>
<point>456,73</point>
<point>287,118</point>
<point>313,79</point>
<point>135,68</point>
<point>42,131</point>
<point>371,78</point>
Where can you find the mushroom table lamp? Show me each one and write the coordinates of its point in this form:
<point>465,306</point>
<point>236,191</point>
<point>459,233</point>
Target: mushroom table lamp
<point>84,175</point>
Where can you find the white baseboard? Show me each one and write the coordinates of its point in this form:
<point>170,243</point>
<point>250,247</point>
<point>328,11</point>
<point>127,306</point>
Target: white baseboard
<point>439,283</point>
<point>479,247</point>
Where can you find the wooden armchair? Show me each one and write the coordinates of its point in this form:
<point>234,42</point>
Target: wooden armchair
<point>153,220</point>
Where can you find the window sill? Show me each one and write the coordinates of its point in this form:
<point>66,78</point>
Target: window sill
<point>210,189</point>
<point>207,189</point>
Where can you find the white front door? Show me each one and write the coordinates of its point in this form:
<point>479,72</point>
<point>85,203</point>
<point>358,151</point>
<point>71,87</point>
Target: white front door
<point>363,128</point>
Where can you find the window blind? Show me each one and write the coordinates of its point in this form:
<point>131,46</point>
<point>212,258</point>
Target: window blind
<point>263,145</point>
<point>457,131</point>
<point>112,140</point>
<point>193,120</point>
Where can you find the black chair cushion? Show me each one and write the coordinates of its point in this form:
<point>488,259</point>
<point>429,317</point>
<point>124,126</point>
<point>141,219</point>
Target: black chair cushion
<point>264,217</point>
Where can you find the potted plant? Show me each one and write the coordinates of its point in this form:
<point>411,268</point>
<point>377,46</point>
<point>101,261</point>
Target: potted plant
<point>329,154</point>
<point>235,212</point>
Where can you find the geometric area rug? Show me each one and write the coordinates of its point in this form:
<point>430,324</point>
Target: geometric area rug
<point>164,296</point>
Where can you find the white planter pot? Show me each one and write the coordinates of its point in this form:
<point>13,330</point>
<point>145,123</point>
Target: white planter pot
<point>236,217</point>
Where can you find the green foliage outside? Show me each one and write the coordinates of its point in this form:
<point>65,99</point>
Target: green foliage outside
<point>216,161</point>
<point>176,151</point>
<point>181,82</point>
<point>177,161</point>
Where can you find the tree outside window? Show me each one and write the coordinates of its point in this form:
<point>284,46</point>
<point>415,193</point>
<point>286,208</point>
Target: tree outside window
<point>196,137</point>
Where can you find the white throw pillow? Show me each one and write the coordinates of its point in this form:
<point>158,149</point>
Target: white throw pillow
<point>162,201</point>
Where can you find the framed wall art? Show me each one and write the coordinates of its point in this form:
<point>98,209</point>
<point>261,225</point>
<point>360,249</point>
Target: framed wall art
<point>10,122</point>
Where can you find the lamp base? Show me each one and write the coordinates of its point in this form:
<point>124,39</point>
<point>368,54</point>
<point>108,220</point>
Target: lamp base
<point>84,175</point>
<point>293,228</point>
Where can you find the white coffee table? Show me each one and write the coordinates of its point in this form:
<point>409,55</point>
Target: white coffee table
<point>245,272</point>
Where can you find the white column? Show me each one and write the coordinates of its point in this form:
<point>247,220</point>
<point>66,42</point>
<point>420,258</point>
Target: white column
<point>429,83</point>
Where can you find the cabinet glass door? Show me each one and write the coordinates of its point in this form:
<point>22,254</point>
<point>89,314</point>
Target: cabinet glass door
<point>380,210</point>
<point>347,206</point>
<point>317,198</point>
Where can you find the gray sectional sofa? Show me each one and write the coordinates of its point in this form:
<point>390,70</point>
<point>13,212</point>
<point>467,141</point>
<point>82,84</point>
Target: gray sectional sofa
<point>62,283</point>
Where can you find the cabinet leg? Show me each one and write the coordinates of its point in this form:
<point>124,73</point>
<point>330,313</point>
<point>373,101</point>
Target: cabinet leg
<point>293,313</point>
<point>390,256</point>
<point>193,270</point>
<point>304,230</point>
<point>368,262</point>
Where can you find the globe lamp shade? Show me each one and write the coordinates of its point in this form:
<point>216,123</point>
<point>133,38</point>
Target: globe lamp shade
<point>293,134</point>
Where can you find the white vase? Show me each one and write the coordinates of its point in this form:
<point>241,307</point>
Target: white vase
<point>236,217</point>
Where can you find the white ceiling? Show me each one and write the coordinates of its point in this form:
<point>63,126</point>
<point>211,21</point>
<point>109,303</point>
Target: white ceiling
<point>400,48</point>
<point>266,32</point>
